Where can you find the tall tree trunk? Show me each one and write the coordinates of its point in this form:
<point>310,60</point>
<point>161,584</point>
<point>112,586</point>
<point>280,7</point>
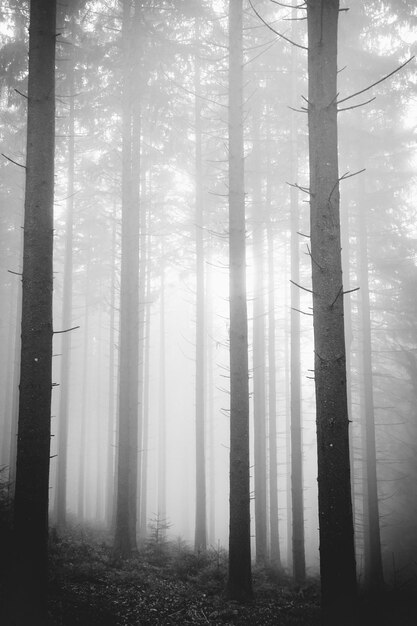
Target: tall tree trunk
<point>210,412</point>
<point>84,393</point>
<point>239,585</point>
<point>162,466</point>
<point>111,423</point>
<point>373,571</point>
<point>272,369</point>
<point>139,271</point>
<point>127,452</point>
<point>345,239</point>
<point>259,404</point>
<point>9,447</point>
<point>337,557</point>
<point>297,495</point>
<point>30,524</point>
<point>146,385</point>
<point>200,539</point>
<point>61,481</point>
<point>272,405</point>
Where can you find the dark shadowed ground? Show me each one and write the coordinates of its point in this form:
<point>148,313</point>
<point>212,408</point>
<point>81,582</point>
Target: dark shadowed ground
<point>166,583</point>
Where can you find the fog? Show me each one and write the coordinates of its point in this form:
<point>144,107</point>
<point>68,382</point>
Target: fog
<point>379,248</point>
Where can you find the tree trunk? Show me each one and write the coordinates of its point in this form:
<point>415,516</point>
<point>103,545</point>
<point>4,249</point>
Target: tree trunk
<point>210,411</point>
<point>373,572</point>
<point>200,539</point>
<point>239,585</point>
<point>259,404</point>
<point>146,385</point>
<point>127,452</point>
<point>30,524</point>
<point>84,393</point>
<point>61,481</point>
<point>345,239</point>
<point>111,422</point>
<point>297,495</point>
<point>162,418</point>
<point>12,398</point>
<point>272,407</point>
<point>337,558</point>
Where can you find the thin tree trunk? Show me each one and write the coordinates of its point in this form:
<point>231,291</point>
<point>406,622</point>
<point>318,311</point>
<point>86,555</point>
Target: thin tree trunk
<point>200,539</point>
<point>373,571</point>
<point>210,413</point>
<point>239,585</point>
<point>162,467</point>
<point>337,557</point>
<point>84,395</point>
<point>61,480</point>
<point>30,566</point>
<point>111,422</point>
<point>272,407</point>
<point>259,404</point>
<point>136,199</point>
<point>297,495</point>
<point>145,436</point>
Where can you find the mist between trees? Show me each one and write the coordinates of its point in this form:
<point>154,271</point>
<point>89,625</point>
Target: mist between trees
<point>234,282</point>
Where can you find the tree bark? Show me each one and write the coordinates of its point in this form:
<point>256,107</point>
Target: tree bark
<point>84,393</point>
<point>337,558</point>
<point>373,571</point>
<point>111,422</point>
<point>200,539</point>
<point>239,585</point>
<point>275,553</point>
<point>61,480</point>
<point>297,494</point>
<point>127,451</point>
<point>30,524</point>
<point>259,401</point>
<point>162,417</point>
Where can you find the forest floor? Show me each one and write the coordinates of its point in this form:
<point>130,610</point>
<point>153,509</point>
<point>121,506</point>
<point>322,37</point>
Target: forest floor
<point>167,583</point>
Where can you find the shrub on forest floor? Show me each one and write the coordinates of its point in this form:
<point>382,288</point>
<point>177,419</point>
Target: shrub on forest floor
<point>76,554</point>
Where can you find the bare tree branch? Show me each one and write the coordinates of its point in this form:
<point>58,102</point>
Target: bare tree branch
<point>67,330</point>
<point>356,106</point>
<point>297,45</point>
<point>11,161</point>
<point>300,311</point>
<point>290,6</point>
<point>348,175</point>
<point>301,287</point>
<point>353,95</point>
<point>304,189</point>
<point>351,290</point>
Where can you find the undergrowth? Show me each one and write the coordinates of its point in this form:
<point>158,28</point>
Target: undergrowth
<point>164,583</point>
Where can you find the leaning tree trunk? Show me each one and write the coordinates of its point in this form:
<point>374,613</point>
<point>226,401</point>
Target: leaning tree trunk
<point>30,566</point>
<point>337,558</point>
<point>239,584</point>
